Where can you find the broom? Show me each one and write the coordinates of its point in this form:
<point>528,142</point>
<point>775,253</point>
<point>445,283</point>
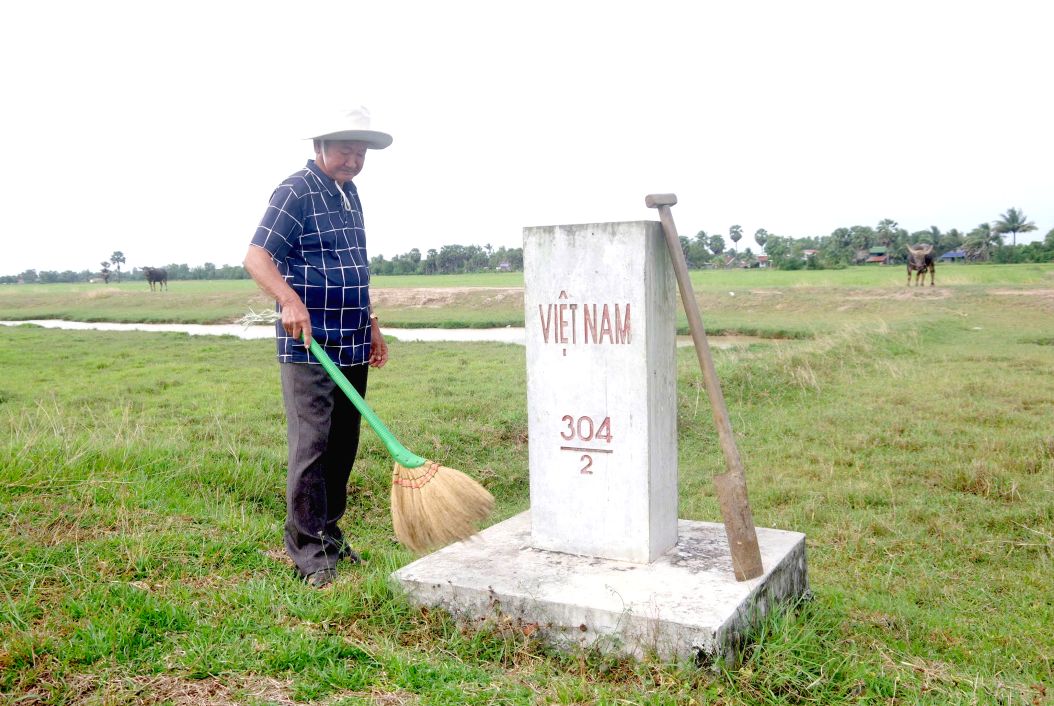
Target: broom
<point>432,505</point>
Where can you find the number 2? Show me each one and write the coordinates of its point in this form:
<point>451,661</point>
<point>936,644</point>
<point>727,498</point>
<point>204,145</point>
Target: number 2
<point>589,462</point>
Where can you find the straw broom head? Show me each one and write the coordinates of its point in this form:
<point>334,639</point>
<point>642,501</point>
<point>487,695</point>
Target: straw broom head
<point>433,505</point>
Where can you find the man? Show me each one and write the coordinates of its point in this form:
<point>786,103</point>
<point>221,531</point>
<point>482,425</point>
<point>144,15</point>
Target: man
<point>309,253</point>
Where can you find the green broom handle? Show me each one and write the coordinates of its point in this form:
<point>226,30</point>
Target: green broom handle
<point>400,453</point>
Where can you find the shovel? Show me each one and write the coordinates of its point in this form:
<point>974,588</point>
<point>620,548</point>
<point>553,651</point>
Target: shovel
<point>731,485</point>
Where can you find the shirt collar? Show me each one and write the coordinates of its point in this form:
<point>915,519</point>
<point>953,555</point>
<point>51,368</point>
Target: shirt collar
<point>327,183</point>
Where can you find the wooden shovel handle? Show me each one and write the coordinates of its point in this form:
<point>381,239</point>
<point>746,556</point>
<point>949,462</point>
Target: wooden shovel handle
<point>732,486</point>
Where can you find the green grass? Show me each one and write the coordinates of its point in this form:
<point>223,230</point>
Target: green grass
<point>194,301</point>
<point>770,303</point>
<point>480,279</point>
<point>142,481</point>
<point>876,276</point>
<point>480,301</point>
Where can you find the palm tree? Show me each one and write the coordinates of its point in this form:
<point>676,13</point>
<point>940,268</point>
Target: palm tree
<point>735,233</point>
<point>861,237</point>
<point>105,272</point>
<point>952,239</point>
<point>118,259</point>
<point>981,241</point>
<point>1013,221</point>
<point>760,236</point>
<point>886,231</point>
<point>716,244</point>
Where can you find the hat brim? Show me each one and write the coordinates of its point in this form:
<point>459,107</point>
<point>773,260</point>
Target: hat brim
<point>374,140</point>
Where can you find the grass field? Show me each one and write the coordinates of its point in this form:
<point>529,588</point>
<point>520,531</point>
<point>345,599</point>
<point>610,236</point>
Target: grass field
<point>764,302</point>
<point>910,436</point>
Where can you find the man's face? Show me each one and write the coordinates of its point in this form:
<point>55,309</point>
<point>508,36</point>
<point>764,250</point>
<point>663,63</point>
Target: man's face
<point>341,160</point>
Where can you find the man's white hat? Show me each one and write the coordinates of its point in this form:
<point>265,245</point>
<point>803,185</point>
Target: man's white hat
<point>353,124</point>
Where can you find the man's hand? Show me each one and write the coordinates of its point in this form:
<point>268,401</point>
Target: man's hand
<point>378,346</point>
<point>296,320</point>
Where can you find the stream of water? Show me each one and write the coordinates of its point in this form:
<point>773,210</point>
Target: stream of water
<point>498,335</point>
<point>495,335</point>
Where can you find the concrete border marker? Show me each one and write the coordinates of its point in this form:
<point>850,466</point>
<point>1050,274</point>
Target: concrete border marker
<point>601,559</point>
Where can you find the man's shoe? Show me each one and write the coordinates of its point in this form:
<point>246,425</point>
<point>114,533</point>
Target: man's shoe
<point>321,578</point>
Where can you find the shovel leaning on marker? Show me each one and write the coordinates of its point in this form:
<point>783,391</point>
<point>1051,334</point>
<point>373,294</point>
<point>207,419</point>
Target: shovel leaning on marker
<point>731,485</point>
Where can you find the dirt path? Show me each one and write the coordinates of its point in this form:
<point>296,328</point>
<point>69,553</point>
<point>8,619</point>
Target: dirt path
<point>438,297</point>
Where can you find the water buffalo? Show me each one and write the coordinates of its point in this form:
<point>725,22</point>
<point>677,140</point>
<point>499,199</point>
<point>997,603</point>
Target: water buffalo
<point>920,260</point>
<point>155,275</point>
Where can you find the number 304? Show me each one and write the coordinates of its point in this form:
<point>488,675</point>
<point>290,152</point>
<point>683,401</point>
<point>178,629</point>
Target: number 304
<point>585,429</point>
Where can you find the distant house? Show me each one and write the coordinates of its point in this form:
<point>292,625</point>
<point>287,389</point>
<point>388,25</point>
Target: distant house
<point>806,254</point>
<point>503,267</point>
<point>953,256</point>
<point>877,256</point>
<point>763,260</point>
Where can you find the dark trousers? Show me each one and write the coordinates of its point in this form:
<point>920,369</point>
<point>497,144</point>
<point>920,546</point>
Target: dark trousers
<point>323,428</point>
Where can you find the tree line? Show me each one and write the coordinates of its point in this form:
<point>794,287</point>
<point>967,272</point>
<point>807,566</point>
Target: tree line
<point>854,245</point>
<point>175,271</point>
<point>845,246</point>
<point>450,259</point>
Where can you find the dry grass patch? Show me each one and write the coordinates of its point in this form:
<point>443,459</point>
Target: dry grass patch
<point>146,690</point>
<point>440,297</point>
<point>61,529</point>
<point>90,689</point>
<point>279,556</point>
<point>103,293</point>
<point>1041,293</point>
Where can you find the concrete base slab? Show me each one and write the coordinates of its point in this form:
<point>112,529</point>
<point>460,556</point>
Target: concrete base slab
<point>685,604</point>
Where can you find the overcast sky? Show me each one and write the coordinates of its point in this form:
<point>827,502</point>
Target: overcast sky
<point>161,128</point>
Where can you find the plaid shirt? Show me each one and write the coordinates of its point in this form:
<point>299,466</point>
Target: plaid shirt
<point>320,248</point>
